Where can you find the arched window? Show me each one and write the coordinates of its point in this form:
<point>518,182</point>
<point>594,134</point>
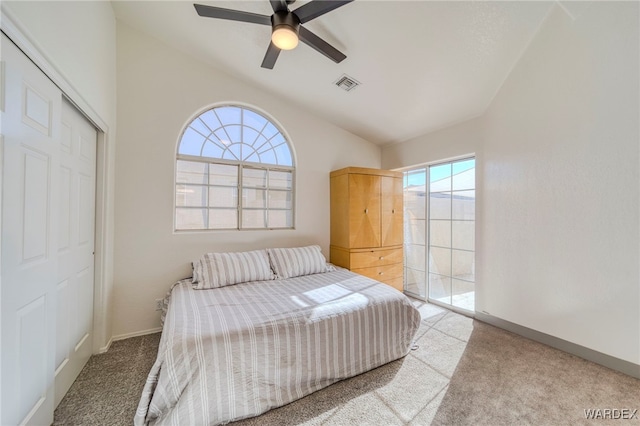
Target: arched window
<point>231,150</point>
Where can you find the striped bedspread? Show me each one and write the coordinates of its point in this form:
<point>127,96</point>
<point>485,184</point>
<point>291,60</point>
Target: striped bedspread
<point>238,351</point>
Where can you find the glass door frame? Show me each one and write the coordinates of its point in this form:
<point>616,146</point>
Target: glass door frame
<point>427,237</point>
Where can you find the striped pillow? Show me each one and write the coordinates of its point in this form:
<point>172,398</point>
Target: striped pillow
<point>294,262</point>
<point>215,270</point>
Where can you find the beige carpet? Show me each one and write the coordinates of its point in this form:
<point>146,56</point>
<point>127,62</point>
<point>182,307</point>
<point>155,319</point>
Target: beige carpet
<point>463,373</point>
<point>504,379</point>
<point>108,389</point>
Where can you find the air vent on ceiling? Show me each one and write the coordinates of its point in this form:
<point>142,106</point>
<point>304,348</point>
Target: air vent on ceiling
<point>347,83</point>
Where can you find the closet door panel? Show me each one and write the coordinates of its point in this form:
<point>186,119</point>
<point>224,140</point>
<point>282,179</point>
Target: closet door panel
<point>30,180</point>
<point>75,255</point>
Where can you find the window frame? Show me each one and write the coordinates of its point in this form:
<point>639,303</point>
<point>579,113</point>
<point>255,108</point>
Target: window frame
<point>241,165</point>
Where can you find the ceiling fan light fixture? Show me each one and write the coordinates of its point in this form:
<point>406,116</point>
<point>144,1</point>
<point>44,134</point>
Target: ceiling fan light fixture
<point>284,37</point>
<point>286,28</point>
<point>284,33</point>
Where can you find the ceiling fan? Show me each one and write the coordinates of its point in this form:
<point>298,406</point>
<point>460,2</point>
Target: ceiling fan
<point>286,26</point>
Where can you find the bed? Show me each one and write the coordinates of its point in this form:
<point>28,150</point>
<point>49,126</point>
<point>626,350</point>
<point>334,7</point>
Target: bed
<point>239,350</point>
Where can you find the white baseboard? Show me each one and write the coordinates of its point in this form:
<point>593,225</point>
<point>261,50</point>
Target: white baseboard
<point>609,361</point>
<point>106,347</point>
<point>136,334</point>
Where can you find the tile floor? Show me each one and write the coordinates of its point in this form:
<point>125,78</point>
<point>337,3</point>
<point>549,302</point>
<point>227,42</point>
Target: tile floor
<point>462,300</point>
<point>415,392</point>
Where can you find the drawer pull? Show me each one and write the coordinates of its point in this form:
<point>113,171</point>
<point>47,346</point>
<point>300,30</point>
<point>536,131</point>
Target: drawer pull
<point>393,211</point>
<point>366,211</point>
<point>380,273</point>
<point>381,257</point>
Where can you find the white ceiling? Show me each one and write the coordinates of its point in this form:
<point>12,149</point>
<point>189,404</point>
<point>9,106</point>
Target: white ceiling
<point>423,65</point>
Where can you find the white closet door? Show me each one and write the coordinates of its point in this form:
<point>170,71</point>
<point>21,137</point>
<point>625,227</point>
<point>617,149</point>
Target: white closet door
<point>31,129</point>
<point>75,236</point>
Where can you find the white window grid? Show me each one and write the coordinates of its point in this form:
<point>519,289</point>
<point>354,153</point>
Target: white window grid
<point>239,205</point>
<point>270,144</point>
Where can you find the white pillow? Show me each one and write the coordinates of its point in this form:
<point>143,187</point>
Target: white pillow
<point>294,262</point>
<point>221,269</point>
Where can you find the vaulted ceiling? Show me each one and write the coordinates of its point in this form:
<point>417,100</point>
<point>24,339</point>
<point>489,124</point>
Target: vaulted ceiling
<point>422,65</point>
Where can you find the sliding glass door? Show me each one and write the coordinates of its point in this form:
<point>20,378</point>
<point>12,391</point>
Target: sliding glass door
<point>439,225</point>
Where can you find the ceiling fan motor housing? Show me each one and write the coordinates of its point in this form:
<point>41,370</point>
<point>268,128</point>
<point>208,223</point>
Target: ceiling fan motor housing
<point>285,19</point>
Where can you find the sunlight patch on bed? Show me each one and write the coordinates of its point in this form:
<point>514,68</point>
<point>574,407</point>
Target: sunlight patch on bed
<point>299,301</point>
<point>327,293</point>
<point>340,305</point>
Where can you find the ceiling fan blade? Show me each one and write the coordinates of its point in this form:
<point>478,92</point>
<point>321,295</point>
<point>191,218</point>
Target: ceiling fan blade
<point>232,15</point>
<point>317,8</point>
<point>320,45</point>
<point>279,5</point>
<point>270,57</point>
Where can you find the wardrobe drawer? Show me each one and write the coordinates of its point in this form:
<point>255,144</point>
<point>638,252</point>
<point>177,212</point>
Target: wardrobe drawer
<point>375,257</point>
<point>381,273</point>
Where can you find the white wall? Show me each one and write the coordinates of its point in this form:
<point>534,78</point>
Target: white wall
<point>79,40</point>
<point>455,141</point>
<point>558,210</point>
<point>159,90</point>
<point>78,37</point>
<point>561,183</point>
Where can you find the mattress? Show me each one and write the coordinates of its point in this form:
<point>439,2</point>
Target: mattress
<point>238,351</point>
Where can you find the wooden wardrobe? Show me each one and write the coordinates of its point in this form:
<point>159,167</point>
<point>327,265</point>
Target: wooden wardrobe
<point>366,223</point>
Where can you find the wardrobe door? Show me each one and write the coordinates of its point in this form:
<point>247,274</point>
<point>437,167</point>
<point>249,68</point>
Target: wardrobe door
<point>364,210</point>
<point>391,211</point>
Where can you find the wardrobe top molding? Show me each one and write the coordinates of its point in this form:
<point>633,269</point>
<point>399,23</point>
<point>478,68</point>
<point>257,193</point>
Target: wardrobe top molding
<point>366,171</point>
